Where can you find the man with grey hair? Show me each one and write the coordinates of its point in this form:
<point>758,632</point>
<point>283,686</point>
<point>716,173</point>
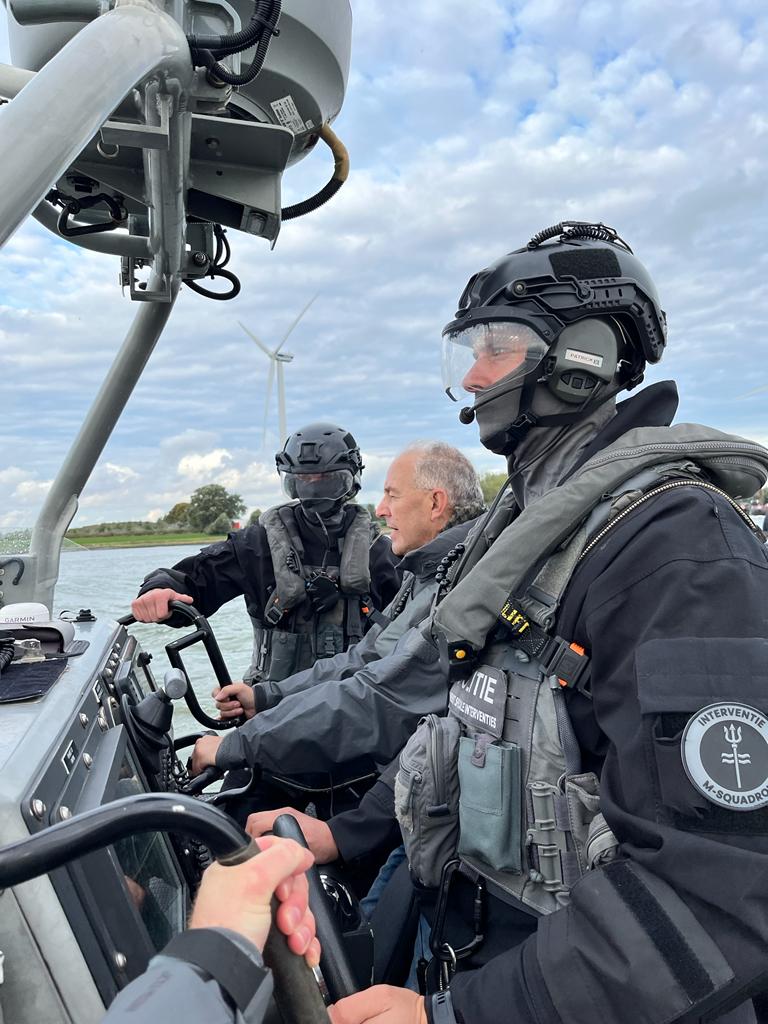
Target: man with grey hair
<point>430,486</point>
<point>360,704</point>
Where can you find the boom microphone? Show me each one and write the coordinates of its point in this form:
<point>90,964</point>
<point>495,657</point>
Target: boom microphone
<point>467,414</point>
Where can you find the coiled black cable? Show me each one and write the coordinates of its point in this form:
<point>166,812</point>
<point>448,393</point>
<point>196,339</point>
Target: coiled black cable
<point>221,296</point>
<point>216,269</point>
<point>6,652</point>
<point>567,229</point>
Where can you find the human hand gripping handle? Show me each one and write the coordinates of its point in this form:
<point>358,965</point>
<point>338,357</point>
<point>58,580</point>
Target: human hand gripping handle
<point>153,606</point>
<point>240,897</point>
<point>234,700</point>
<point>317,834</point>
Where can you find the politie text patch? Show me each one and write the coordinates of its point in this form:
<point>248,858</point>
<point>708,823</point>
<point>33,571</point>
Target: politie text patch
<point>725,755</point>
<point>480,700</point>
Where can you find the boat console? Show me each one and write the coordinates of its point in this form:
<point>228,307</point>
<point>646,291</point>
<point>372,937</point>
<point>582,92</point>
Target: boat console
<point>64,752</point>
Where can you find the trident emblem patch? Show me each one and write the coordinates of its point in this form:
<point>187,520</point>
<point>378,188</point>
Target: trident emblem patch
<point>725,755</point>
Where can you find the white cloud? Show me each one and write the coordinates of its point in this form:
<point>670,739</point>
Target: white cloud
<point>29,491</point>
<point>467,134</point>
<point>196,465</point>
<point>121,473</point>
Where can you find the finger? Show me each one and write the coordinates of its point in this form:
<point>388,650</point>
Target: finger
<point>258,824</point>
<point>293,915</point>
<point>261,822</point>
<point>312,955</point>
<point>227,692</point>
<point>297,886</point>
<point>216,691</point>
<point>277,863</point>
<point>298,941</point>
<point>360,1007</point>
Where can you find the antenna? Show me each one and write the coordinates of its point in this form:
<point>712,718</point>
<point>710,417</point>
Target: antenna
<point>277,361</point>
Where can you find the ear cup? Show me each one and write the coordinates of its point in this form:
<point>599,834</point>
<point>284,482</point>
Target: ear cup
<point>585,354</point>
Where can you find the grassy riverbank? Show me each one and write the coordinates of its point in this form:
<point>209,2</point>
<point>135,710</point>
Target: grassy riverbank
<point>145,540</point>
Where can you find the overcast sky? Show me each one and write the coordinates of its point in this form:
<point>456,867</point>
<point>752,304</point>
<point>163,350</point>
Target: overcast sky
<point>470,127</point>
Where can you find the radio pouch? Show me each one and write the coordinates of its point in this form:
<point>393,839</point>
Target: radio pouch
<point>489,808</point>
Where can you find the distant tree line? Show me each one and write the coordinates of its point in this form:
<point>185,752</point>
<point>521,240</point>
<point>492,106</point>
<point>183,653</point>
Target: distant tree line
<point>211,509</point>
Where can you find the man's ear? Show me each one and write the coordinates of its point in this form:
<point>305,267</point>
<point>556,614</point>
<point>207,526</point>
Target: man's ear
<point>439,505</point>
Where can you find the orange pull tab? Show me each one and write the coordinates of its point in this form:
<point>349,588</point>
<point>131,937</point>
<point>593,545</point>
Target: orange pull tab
<point>578,650</point>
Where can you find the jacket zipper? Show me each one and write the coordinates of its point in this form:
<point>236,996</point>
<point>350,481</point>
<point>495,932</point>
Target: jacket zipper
<point>674,447</point>
<point>659,490</point>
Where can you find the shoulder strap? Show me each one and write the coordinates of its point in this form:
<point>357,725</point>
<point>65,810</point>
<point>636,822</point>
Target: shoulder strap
<point>287,552</point>
<point>355,563</point>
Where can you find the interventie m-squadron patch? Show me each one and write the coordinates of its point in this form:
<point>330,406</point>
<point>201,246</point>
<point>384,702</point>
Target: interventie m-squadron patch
<point>725,755</point>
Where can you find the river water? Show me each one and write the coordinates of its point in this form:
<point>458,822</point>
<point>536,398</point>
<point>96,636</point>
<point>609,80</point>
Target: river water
<point>106,581</point>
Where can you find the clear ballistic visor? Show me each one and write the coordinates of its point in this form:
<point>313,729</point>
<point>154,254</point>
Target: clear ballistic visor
<point>480,355</point>
<point>309,487</point>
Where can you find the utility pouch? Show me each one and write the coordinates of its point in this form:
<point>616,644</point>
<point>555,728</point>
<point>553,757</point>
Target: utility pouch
<point>490,806</point>
<point>284,649</point>
<point>427,797</point>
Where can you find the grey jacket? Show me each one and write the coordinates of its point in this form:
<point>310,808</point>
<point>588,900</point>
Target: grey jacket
<point>364,702</point>
<point>171,989</point>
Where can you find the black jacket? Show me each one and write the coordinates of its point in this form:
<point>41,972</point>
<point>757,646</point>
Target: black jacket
<point>242,565</point>
<point>672,608</point>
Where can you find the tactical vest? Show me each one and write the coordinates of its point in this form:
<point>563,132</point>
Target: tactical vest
<point>498,782</point>
<point>292,636</point>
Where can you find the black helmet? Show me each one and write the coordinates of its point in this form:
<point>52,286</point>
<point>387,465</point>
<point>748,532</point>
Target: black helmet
<point>320,465</point>
<point>581,315</point>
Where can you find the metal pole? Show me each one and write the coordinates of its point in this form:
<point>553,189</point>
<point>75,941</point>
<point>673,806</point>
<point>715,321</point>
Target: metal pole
<point>61,502</point>
<point>60,110</point>
<point>13,80</point>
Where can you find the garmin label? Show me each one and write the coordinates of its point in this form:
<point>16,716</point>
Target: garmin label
<point>725,755</point>
<point>585,358</point>
<point>479,701</point>
<point>287,114</point>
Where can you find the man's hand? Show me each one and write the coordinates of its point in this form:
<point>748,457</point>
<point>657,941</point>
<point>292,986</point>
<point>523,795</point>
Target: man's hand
<point>238,897</point>
<point>153,606</point>
<point>204,753</point>
<point>319,837</point>
<point>382,1004</point>
<point>235,700</point>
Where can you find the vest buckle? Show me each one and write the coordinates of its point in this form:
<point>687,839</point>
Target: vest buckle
<point>568,663</point>
<point>273,613</point>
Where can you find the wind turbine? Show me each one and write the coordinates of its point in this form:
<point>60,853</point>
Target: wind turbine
<point>277,361</point>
